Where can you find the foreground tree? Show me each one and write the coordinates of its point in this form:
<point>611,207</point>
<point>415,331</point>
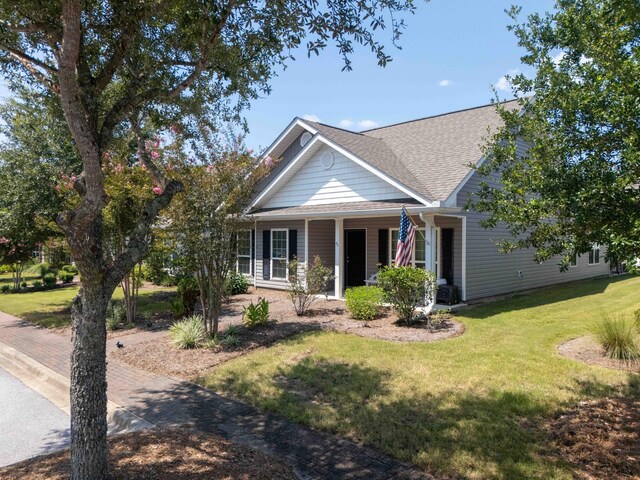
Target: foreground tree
<point>578,185</point>
<point>178,63</point>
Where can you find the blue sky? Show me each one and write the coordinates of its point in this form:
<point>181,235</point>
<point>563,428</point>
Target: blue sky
<point>453,53</point>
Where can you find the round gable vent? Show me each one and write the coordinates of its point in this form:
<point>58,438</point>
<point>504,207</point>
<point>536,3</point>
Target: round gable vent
<point>304,138</point>
<point>327,160</point>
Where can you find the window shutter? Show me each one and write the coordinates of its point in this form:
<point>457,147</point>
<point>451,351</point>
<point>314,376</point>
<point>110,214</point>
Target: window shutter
<point>253,250</point>
<point>383,246</point>
<point>293,244</point>
<point>266,254</point>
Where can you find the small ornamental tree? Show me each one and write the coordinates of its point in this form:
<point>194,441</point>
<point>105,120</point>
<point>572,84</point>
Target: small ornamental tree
<point>15,255</point>
<point>306,282</point>
<point>406,288</point>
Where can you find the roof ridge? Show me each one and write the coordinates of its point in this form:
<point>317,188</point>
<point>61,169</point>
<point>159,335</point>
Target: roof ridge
<point>364,132</point>
<point>334,127</point>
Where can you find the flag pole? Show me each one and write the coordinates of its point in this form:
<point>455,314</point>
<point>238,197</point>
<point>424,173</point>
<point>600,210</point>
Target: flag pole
<point>410,217</point>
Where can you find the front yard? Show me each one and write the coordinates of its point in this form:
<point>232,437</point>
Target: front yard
<point>474,406</point>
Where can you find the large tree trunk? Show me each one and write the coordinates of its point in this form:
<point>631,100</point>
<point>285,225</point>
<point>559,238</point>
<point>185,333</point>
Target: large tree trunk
<point>89,384</point>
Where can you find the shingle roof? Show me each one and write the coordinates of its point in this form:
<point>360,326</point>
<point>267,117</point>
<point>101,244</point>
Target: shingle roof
<point>429,155</point>
<point>334,208</point>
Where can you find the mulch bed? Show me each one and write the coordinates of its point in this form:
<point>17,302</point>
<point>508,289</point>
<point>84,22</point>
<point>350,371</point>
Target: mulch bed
<point>600,439</point>
<point>586,349</point>
<point>161,357</point>
<point>173,454</point>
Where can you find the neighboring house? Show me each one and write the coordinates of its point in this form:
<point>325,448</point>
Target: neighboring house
<point>338,194</point>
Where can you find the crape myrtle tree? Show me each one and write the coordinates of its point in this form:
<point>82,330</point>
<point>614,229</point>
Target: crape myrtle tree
<point>185,63</point>
<point>205,219</point>
<point>578,184</point>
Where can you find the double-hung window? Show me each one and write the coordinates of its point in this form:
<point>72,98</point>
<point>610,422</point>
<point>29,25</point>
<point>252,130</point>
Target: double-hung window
<point>418,258</point>
<point>279,253</point>
<point>574,260</point>
<point>243,252</point>
<point>594,255</point>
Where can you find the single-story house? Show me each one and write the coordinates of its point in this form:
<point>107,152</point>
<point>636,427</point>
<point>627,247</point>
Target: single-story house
<point>338,194</point>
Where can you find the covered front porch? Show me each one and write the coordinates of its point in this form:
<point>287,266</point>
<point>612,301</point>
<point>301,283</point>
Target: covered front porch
<point>358,242</point>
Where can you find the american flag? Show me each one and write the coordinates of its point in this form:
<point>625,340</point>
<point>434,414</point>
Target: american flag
<point>406,239</point>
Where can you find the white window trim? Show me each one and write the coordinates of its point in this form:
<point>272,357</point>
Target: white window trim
<point>594,247</point>
<point>286,258</point>
<point>238,256</point>
<point>413,253</point>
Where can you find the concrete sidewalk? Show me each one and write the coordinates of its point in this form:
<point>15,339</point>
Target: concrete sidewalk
<point>140,399</point>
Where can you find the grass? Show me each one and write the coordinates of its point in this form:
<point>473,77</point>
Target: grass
<point>617,335</point>
<point>52,308</point>
<point>470,406</point>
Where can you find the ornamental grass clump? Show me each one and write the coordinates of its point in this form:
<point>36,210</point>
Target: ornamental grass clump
<point>188,333</point>
<point>617,336</point>
<point>363,303</point>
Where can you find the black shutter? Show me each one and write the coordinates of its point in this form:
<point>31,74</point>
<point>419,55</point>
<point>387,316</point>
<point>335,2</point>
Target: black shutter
<point>253,250</point>
<point>383,246</point>
<point>293,244</point>
<point>266,254</point>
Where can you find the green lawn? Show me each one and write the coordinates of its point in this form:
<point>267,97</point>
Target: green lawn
<point>51,308</point>
<point>470,406</point>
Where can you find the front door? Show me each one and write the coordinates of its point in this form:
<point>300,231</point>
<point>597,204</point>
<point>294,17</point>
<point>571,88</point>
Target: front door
<point>446,236</point>
<point>355,247</point>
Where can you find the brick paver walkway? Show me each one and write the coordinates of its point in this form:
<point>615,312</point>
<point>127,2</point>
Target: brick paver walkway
<point>166,402</point>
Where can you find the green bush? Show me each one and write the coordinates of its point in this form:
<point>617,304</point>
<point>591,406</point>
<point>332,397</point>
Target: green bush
<point>44,269</point>
<point>49,279</point>
<point>23,284</point>
<point>236,284</point>
<point>616,335</point>
<point>5,288</point>
<point>256,315</point>
<point>37,284</point>
<point>116,314</point>
<point>363,303</point>
<point>6,269</point>
<point>188,293</point>
<point>231,337</point>
<point>70,268</point>
<point>188,333</point>
<point>65,277</point>
<point>406,288</point>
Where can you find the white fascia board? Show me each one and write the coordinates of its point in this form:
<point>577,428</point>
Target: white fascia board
<point>287,169</point>
<point>376,172</point>
<point>296,122</point>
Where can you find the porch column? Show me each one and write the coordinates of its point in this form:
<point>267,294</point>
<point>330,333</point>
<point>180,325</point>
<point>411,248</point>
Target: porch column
<point>338,257</point>
<point>307,261</point>
<point>463,287</point>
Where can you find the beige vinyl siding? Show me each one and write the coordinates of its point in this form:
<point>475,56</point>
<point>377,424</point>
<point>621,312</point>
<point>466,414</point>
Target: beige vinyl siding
<point>322,241</point>
<point>345,181</point>
<point>491,273</point>
<point>293,224</point>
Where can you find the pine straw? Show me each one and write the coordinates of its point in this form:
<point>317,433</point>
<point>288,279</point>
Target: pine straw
<point>171,454</point>
<point>600,439</point>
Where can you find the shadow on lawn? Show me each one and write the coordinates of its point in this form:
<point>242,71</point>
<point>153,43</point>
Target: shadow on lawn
<point>546,296</point>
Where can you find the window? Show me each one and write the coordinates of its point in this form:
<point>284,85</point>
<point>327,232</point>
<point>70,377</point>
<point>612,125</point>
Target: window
<point>594,255</point>
<point>419,248</point>
<point>243,252</point>
<point>574,260</point>
<point>279,253</point>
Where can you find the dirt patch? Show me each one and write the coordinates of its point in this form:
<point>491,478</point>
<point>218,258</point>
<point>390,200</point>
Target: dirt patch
<point>600,439</point>
<point>164,455</point>
<point>586,349</point>
<point>161,357</point>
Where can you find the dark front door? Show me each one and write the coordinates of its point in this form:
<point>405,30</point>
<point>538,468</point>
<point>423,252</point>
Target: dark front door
<point>355,247</point>
<point>447,254</point>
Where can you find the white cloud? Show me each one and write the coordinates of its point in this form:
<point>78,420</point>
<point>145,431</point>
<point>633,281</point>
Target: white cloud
<point>367,124</point>
<point>311,117</point>
<point>503,82</point>
<point>557,58</point>
<point>444,83</point>
<point>346,123</point>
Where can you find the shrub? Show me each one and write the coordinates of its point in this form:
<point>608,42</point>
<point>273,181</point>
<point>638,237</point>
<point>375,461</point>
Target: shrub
<point>230,340</point>
<point>236,284</point>
<point>188,333</point>
<point>363,303</point>
<point>615,333</point>
<point>37,284</point>
<point>45,269</point>
<point>304,288</point>
<point>23,284</point>
<point>6,269</point>
<point>5,288</point>
<point>188,293</point>
<point>116,314</point>
<point>49,279</point>
<point>406,288</point>
<point>112,324</point>
<point>256,315</point>
<point>65,277</point>
<point>70,268</point>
